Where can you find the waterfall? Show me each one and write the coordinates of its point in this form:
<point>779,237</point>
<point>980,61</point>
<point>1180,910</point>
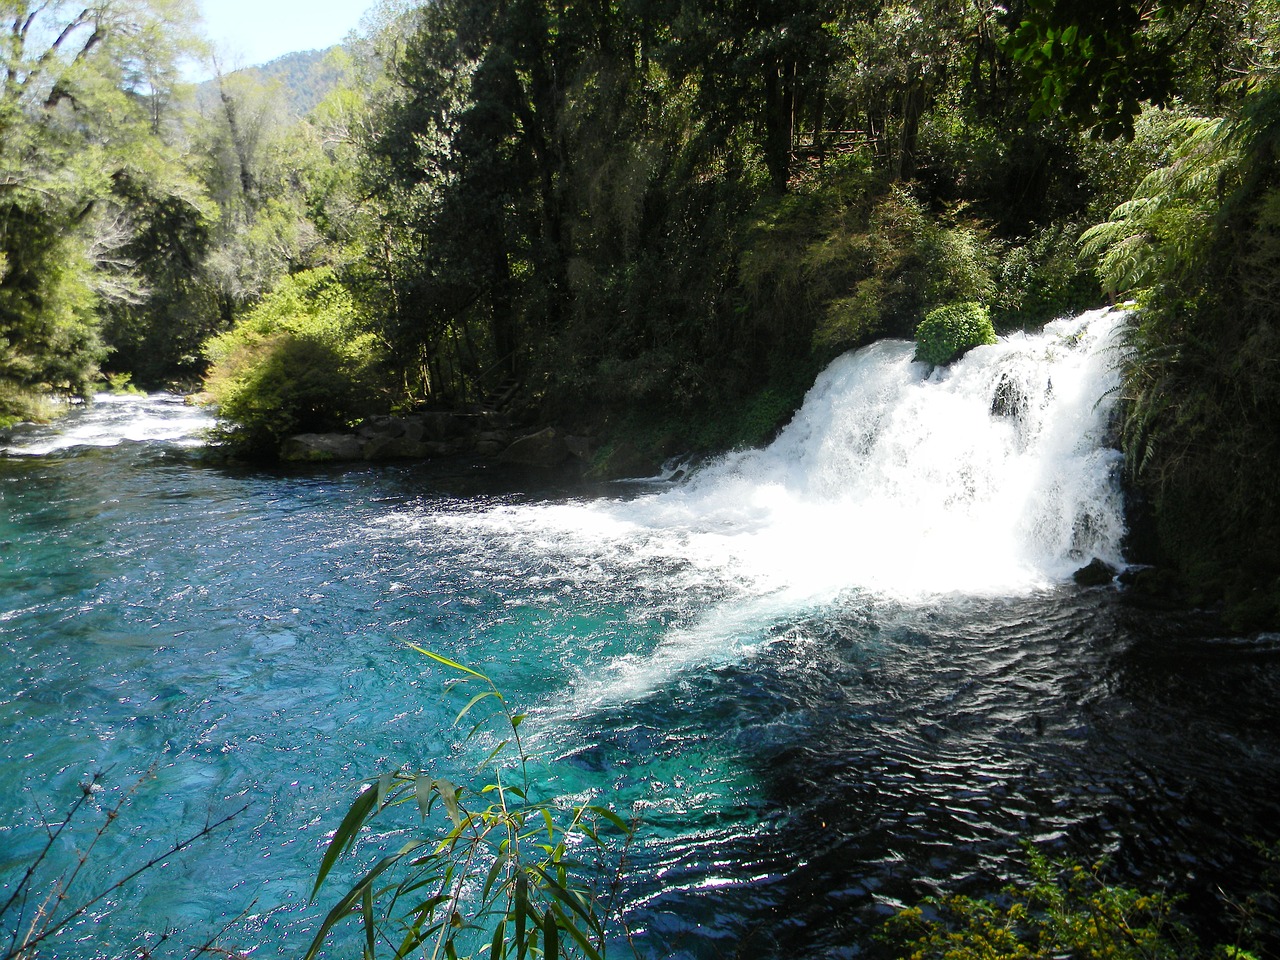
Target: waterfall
<point>993,475</point>
<point>986,476</point>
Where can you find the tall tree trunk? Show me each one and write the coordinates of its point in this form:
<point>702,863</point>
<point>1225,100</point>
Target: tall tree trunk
<point>913,100</point>
<point>779,95</point>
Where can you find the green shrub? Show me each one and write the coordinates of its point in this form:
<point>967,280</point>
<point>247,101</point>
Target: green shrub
<point>300,362</point>
<point>19,404</point>
<point>947,332</point>
<point>1064,910</point>
<point>122,384</point>
<point>1039,279</point>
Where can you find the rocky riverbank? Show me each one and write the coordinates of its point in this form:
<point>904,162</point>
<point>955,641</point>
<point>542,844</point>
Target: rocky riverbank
<point>440,434</point>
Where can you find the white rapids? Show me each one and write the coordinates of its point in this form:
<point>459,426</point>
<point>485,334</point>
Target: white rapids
<point>110,420</point>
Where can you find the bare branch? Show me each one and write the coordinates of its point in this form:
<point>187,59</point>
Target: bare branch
<point>128,878</point>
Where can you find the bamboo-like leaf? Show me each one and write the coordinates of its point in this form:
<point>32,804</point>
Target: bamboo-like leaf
<point>355,895</point>
<point>565,896</point>
<point>491,878</point>
<point>493,753</point>
<point>550,936</point>
<point>447,662</point>
<point>345,836</point>
<point>472,702</point>
<point>422,791</point>
<point>495,949</point>
<point>416,936</point>
<point>449,794</point>
<point>522,912</point>
<point>588,948</point>
<point>367,914</point>
<point>613,818</point>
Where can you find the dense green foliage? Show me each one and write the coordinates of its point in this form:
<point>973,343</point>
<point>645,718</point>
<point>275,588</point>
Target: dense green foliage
<point>299,362</point>
<point>1195,246</point>
<point>84,90</point>
<point>656,222</point>
<point>1061,910</point>
<point>948,332</point>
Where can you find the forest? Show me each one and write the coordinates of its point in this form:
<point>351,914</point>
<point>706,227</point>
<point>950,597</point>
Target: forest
<point>653,221</point>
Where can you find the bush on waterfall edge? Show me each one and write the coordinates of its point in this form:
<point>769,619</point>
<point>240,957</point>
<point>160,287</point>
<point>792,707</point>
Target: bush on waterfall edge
<point>947,332</point>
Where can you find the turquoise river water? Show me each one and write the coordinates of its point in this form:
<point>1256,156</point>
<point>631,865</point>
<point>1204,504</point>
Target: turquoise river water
<point>830,677</point>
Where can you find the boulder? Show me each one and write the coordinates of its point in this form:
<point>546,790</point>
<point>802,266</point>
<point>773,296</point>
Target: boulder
<point>1154,588</point>
<point>414,429</point>
<point>381,427</point>
<point>1096,573</point>
<point>580,447</point>
<point>406,448</point>
<point>321,448</point>
<point>546,448</point>
<point>439,425</point>
<point>1009,399</point>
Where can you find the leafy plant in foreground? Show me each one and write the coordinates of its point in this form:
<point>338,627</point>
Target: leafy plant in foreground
<point>502,874</point>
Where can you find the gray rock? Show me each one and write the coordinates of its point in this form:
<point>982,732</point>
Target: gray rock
<point>388,427</point>
<point>414,429</point>
<point>580,447</point>
<point>404,448</point>
<point>546,448</point>
<point>1097,573</point>
<point>441,426</point>
<point>321,448</point>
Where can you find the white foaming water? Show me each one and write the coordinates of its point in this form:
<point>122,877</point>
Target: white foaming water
<point>993,476</point>
<point>112,419</point>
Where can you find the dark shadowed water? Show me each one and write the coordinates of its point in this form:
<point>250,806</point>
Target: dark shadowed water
<point>771,675</point>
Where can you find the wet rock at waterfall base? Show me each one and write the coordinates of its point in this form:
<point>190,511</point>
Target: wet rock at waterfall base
<point>1009,399</point>
<point>1153,588</point>
<point>1096,573</point>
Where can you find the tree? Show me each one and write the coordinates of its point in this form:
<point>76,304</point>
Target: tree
<point>78,110</point>
<point>1099,61</point>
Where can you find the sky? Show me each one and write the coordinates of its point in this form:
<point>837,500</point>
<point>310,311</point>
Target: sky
<point>249,32</point>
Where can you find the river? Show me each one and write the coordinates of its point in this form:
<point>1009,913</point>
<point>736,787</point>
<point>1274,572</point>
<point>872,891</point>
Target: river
<point>830,677</point>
